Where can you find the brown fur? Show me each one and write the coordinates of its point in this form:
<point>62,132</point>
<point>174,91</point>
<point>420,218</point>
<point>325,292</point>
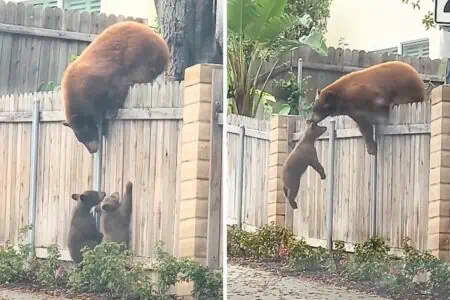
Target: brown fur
<point>97,82</point>
<point>367,96</point>
<point>303,155</point>
<point>116,216</point>
<point>83,230</point>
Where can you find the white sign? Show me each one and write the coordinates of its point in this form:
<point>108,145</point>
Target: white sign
<point>442,11</point>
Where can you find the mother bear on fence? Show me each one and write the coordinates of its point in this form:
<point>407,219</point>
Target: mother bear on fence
<point>367,96</point>
<point>97,82</point>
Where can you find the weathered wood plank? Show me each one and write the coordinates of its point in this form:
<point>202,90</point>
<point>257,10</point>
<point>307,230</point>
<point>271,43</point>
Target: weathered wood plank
<point>124,114</point>
<point>49,33</point>
<point>401,129</point>
<point>214,231</point>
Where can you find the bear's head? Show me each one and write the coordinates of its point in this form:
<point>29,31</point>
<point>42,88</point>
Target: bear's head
<point>86,131</point>
<point>111,203</point>
<point>313,131</point>
<point>89,198</point>
<point>325,104</point>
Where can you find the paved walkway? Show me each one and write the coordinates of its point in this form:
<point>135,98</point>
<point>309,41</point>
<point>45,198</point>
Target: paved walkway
<point>248,283</point>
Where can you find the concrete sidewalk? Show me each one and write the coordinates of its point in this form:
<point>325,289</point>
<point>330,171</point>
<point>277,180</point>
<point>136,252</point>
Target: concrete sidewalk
<point>248,283</point>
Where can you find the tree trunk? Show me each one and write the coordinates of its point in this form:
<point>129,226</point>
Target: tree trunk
<point>190,30</point>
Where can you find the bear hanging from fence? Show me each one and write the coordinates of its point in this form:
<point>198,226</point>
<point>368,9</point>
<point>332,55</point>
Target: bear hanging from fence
<point>367,96</point>
<point>116,216</point>
<point>96,83</point>
<point>83,230</point>
<point>303,155</point>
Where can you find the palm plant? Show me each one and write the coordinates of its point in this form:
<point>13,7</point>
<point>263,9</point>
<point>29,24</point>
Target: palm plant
<point>255,30</point>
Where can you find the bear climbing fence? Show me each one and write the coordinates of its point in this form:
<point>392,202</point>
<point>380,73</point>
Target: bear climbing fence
<point>160,141</point>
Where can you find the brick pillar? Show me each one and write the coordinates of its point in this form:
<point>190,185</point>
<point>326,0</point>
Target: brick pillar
<point>278,154</point>
<point>439,192</point>
<point>195,161</point>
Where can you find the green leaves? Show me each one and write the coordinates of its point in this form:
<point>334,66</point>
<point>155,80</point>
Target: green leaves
<point>256,32</point>
<point>316,41</point>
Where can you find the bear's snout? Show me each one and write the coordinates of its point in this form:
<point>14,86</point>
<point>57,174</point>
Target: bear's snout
<point>92,146</point>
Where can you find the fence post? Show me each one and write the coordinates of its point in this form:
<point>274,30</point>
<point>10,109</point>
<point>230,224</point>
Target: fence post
<point>240,174</point>
<point>195,164</point>
<point>289,212</point>
<point>215,206</point>
<point>439,190</point>
<point>33,173</point>
<point>299,83</point>
<point>373,206</point>
<point>97,170</point>
<point>278,154</point>
<point>330,182</point>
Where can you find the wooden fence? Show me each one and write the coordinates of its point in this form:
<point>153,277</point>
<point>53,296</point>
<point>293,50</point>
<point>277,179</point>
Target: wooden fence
<point>319,71</point>
<point>403,170</point>
<point>255,177</point>
<point>402,184</point>
<point>145,145</point>
<point>36,43</point>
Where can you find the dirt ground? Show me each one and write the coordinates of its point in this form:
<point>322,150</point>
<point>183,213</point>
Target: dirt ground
<point>252,283</point>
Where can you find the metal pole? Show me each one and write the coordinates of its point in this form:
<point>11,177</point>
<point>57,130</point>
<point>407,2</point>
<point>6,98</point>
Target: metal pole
<point>33,173</point>
<point>299,82</point>
<point>97,176</point>
<point>330,183</point>
<point>240,179</point>
<point>373,209</point>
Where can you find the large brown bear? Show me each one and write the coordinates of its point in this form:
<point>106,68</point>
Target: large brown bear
<point>83,230</point>
<point>97,82</point>
<point>367,96</point>
<point>116,216</point>
<point>303,155</point>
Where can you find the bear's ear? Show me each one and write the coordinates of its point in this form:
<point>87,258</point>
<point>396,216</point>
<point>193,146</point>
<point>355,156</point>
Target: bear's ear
<point>82,197</point>
<point>75,197</point>
<point>66,124</point>
<point>116,195</point>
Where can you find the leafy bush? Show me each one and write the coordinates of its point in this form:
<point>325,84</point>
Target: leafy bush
<point>370,261</point>
<point>49,272</point>
<point>293,92</point>
<point>109,269</point>
<point>208,284</point>
<point>13,263</point>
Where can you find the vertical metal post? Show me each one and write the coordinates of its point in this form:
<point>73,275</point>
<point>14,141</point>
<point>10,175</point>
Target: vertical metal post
<point>240,179</point>
<point>299,82</point>
<point>33,173</point>
<point>330,183</point>
<point>373,206</point>
<point>97,170</point>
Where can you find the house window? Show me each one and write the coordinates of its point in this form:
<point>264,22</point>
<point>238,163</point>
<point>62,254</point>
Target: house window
<point>391,50</point>
<point>416,48</point>
<point>84,5</point>
<point>46,3</point>
<point>79,5</point>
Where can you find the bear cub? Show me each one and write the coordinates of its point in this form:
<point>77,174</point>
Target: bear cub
<point>116,216</point>
<point>303,155</point>
<point>83,230</point>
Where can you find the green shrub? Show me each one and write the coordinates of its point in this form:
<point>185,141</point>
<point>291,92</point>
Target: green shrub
<point>13,263</point>
<point>370,262</point>
<point>208,284</point>
<point>49,271</point>
<point>107,269</point>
